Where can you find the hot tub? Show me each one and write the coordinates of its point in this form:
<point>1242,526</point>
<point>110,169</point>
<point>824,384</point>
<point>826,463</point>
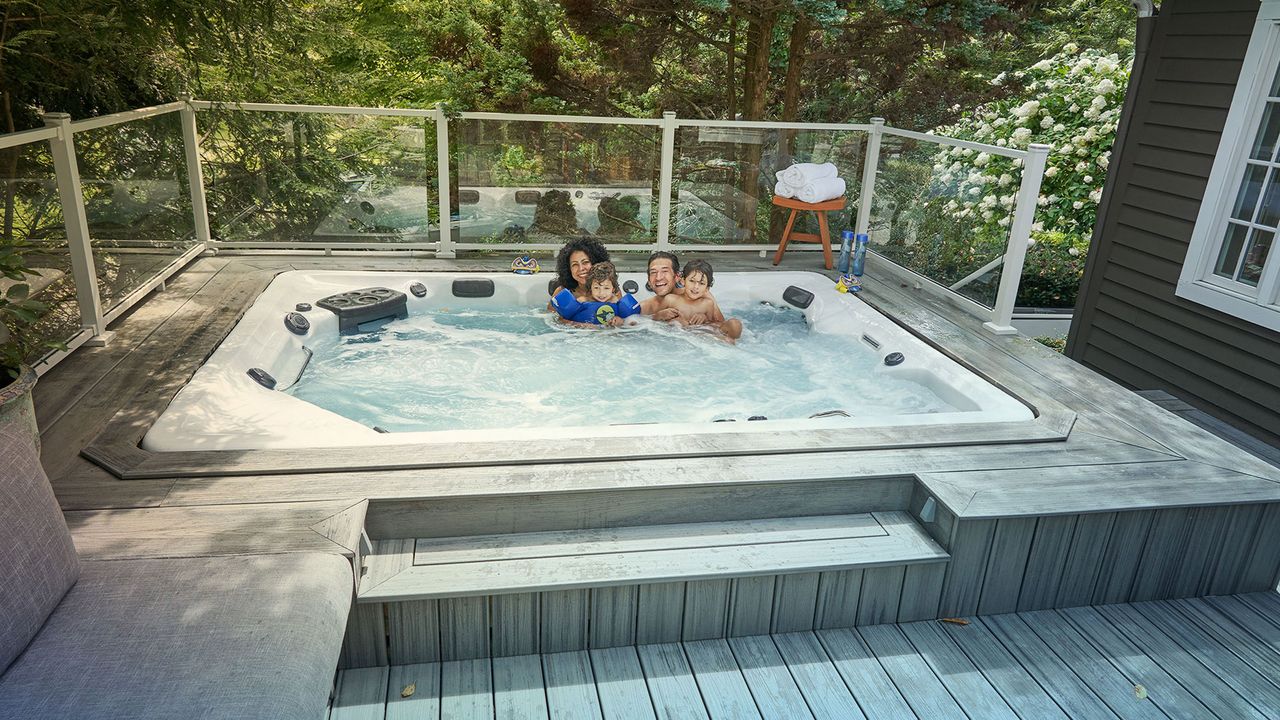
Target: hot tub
<point>467,357</point>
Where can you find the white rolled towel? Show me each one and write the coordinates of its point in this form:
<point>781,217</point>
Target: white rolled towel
<point>802,174</point>
<point>782,189</point>
<point>822,189</point>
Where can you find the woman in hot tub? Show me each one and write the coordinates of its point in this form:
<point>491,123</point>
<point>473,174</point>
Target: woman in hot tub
<point>573,265</point>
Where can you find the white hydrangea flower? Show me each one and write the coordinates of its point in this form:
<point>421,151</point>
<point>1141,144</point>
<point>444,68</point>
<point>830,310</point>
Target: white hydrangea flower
<point>1002,142</point>
<point>1073,252</point>
<point>1071,48</point>
<point>982,159</point>
<point>1059,127</point>
<point>1104,87</point>
<point>1021,134</point>
<point>1098,103</point>
<point>1053,199</point>
<point>1042,201</point>
<point>974,190</point>
<point>1077,204</point>
<point>1003,222</point>
<point>966,151</point>
<point>1031,242</point>
<point>1082,151</point>
<point>1042,65</point>
<point>1037,227</point>
<point>997,80</point>
<point>1080,166</point>
<point>1074,108</point>
<point>955,166</point>
<point>952,205</point>
<point>1088,178</point>
<point>1005,179</point>
<point>987,214</point>
<point>1096,195</point>
<point>1050,172</point>
<point>1046,122</point>
<point>1104,159</point>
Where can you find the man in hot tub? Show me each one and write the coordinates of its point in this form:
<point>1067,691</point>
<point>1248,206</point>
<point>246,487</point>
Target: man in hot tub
<point>664,281</point>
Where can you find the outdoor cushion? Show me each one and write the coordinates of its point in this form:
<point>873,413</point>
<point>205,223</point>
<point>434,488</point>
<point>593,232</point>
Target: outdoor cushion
<point>37,560</point>
<point>223,637</point>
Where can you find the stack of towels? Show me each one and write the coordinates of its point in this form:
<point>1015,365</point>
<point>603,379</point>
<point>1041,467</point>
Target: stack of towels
<point>809,182</point>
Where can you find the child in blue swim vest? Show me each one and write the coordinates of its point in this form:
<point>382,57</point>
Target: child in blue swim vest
<point>608,305</point>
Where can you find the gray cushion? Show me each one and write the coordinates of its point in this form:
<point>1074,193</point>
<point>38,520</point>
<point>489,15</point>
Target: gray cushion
<point>227,637</point>
<point>37,560</point>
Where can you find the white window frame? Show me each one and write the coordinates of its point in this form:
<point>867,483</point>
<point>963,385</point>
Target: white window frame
<point>1198,283</point>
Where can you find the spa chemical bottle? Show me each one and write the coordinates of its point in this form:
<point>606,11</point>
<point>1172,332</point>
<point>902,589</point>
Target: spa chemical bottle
<point>846,247</point>
<point>859,254</point>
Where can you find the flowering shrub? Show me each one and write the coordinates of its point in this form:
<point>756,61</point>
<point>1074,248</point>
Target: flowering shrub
<point>1075,100</point>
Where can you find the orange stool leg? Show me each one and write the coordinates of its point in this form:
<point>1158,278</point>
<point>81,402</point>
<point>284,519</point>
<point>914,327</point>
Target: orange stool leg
<point>786,235</point>
<point>825,233</point>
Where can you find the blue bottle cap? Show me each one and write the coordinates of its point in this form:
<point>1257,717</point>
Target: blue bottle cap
<point>862,236</point>
<point>846,234</point>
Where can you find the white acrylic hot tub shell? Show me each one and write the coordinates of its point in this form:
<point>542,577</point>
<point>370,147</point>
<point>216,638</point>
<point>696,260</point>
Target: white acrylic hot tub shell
<point>222,408</point>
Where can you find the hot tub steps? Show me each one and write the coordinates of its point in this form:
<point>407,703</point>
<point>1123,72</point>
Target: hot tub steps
<point>496,595</point>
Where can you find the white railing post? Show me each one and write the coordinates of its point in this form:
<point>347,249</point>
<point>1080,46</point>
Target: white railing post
<point>66,168</point>
<point>870,164</point>
<point>445,247</point>
<point>195,175</point>
<point>664,180</point>
<point>1001,322</point>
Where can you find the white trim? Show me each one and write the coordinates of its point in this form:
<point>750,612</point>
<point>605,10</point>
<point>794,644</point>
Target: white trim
<point>1197,281</point>
<point>124,117</point>
<point>318,109</point>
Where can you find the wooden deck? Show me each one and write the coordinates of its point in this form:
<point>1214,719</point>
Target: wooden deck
<point>1203,658</point>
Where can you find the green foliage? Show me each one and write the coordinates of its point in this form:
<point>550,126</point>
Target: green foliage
<point>1057,344</point>
<point>18,312</point>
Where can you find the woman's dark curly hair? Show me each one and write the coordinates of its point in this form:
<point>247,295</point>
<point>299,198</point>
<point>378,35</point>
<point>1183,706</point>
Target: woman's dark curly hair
<point>595,252</point>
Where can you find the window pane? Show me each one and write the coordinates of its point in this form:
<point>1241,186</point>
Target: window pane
<point>1275,85</point>
<point>1269,215</point>
<point>1250,187</point>
<point>1264,144</point>
<point>1230,253</point>
<point>1255,257</point>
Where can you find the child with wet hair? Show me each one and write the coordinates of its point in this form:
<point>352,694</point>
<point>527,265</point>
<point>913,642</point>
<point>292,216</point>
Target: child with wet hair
<point>697,306</point>
<point>607,305</point>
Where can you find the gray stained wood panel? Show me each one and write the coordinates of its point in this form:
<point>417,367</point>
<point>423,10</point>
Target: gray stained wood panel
<point>620,684</point>
<point>564,619</point>
<point>517,625</point>
<point>466,689</point>
<point>1163,166</point>
<point>1015,683</point>
<point>519,689</point>
<point>1006,564</point>
<point>423,701</point>
<point>413,632</point>
<point>365,642</point>
<point>613,616</point>
<point>970,546</point>
<point>360,694</point>
<point>838,594</point>
<point>659,612</point>
<point>921,592</point>
<point>724,691</point>
<point>957,672</point>
<point>794,603</point>
<point>921,688</point>
<point>464,628</point>
<point>1050,546</point>
<point>823,689</point>
<point>571,689</point>
<point>672,686</point>
<point>768,678</point>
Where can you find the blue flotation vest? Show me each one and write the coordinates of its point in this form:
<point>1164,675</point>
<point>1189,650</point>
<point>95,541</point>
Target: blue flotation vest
<point>598,313</point>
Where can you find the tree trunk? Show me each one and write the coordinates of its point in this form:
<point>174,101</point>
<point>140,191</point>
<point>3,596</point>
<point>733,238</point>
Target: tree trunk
<point>731,69</point>
<point>754,97</point>
<point>797,52</point>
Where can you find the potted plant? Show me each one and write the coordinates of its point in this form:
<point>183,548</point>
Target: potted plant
<point>18,312</point>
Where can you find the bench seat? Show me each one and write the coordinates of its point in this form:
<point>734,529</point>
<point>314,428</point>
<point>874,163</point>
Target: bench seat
<point>214,637</point>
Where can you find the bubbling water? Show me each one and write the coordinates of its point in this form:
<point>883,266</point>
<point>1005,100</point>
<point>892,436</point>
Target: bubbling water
<point>513,367</point>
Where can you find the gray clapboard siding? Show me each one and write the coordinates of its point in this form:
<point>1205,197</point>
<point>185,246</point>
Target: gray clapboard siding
<point>1174,125</point>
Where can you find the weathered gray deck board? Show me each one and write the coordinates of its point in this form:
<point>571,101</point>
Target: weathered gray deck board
<point>361,694</point>
<point>958,674</point>
<point>768,678</point>
<point>819,682</point>
<point>519,690</point>
<point>921,688</point>
<point>1108,682</point>
<point>720,681</point>
<point>466,689</point>
<point>1015,683</point>
<point>424,701</point>
<point>571,688</point>
<point>621,685</point>
<point>671,684</point>
<point>1166,692</point>
<point>1195,658</point>
<point>1176,644</point>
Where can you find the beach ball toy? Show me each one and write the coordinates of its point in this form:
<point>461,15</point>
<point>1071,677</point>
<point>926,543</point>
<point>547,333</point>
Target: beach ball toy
<point>524,265</point>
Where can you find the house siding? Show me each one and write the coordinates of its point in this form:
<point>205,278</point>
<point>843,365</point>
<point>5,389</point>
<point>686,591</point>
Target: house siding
<point>1129,325</point>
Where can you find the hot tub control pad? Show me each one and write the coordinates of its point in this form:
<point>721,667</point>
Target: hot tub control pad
<point>894,358</point>
<point>418,289</point>
<point>358,307</point>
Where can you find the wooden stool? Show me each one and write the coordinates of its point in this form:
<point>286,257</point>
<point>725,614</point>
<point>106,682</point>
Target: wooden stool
<point>819,209</point>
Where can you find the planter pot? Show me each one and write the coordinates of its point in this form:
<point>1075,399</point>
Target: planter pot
<point>17,410</point>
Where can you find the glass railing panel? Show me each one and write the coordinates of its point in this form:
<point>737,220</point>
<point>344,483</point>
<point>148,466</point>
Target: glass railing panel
<point>319,179</point>
<point>945,213</point>
<point>137,201</point>
<point>723,182</point>
<point>31,220</point>
<point>539,182</point>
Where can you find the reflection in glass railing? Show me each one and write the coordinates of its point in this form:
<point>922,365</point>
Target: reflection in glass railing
<point>313,177</point>
<point>723,181</point>
<point>945,213</point>
<point>541,182</point>
<point>32,221</point>
<point>137,200</point>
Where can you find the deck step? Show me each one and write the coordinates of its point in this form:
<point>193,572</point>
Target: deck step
<point>603,557</point>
